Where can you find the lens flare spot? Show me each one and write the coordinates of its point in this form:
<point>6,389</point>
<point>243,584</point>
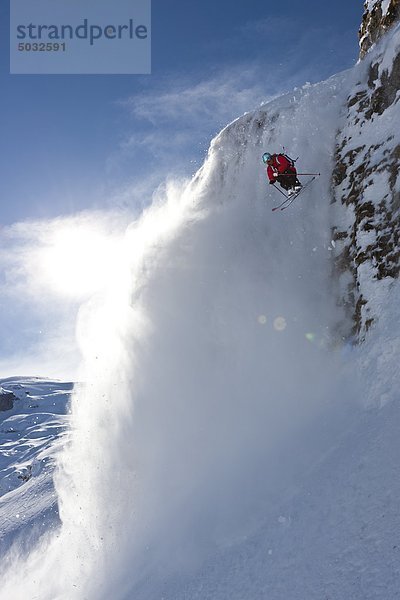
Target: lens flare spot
<point>310,337</point>
<point>262,319</point>
<point>280,324</point>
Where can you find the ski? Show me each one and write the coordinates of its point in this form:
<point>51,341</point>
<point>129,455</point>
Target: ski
<point>281,204</point>
<point>290,199</point>
<point>293,198</point>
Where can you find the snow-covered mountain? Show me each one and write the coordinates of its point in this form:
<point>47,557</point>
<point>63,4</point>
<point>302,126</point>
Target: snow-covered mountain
<point>239,434</point>
<point>33,417</point>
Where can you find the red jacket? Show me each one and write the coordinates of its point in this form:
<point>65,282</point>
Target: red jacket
<point>278,165</point>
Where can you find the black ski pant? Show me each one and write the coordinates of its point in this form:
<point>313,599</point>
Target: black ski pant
<point>288,179</point>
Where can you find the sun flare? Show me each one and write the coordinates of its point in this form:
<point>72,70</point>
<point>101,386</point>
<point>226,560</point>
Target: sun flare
<point>78,260</point>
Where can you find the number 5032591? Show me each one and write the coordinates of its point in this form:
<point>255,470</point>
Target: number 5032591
<point>42,47</point>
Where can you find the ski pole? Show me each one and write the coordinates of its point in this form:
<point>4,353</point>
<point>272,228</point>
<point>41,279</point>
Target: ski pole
<point>291,174</point>
<point>280,191</point>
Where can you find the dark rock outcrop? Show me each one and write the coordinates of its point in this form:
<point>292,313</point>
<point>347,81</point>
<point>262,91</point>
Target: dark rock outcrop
<point>375,23</point>
<point>7,400</point>
<point>366,178</point>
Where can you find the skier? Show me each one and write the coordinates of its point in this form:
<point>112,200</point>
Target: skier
<point>281,169</point>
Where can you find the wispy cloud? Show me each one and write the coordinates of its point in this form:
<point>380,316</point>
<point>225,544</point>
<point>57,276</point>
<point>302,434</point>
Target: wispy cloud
<point>218,99</point>
<point>273,26</point>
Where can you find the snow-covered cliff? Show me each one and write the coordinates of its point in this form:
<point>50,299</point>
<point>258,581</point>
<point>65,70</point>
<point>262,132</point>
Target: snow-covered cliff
<point>379,16</point>
<point>366,180</point>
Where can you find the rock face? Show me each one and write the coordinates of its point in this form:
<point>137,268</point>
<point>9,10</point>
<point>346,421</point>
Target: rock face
<point>366,181</point>
<point>379,16</point>
<point>7,400</point>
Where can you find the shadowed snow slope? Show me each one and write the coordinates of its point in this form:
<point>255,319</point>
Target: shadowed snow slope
<point>222,449</point>
<point>30,435</point>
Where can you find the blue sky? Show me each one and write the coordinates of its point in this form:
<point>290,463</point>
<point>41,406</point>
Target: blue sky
<point>105,142</point>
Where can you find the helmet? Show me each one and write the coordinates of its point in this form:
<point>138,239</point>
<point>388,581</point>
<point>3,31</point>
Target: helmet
<point>266,157</point>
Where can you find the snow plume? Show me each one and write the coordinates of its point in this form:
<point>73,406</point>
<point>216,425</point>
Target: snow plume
<point>111,326</point>
<point>207,360</point>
